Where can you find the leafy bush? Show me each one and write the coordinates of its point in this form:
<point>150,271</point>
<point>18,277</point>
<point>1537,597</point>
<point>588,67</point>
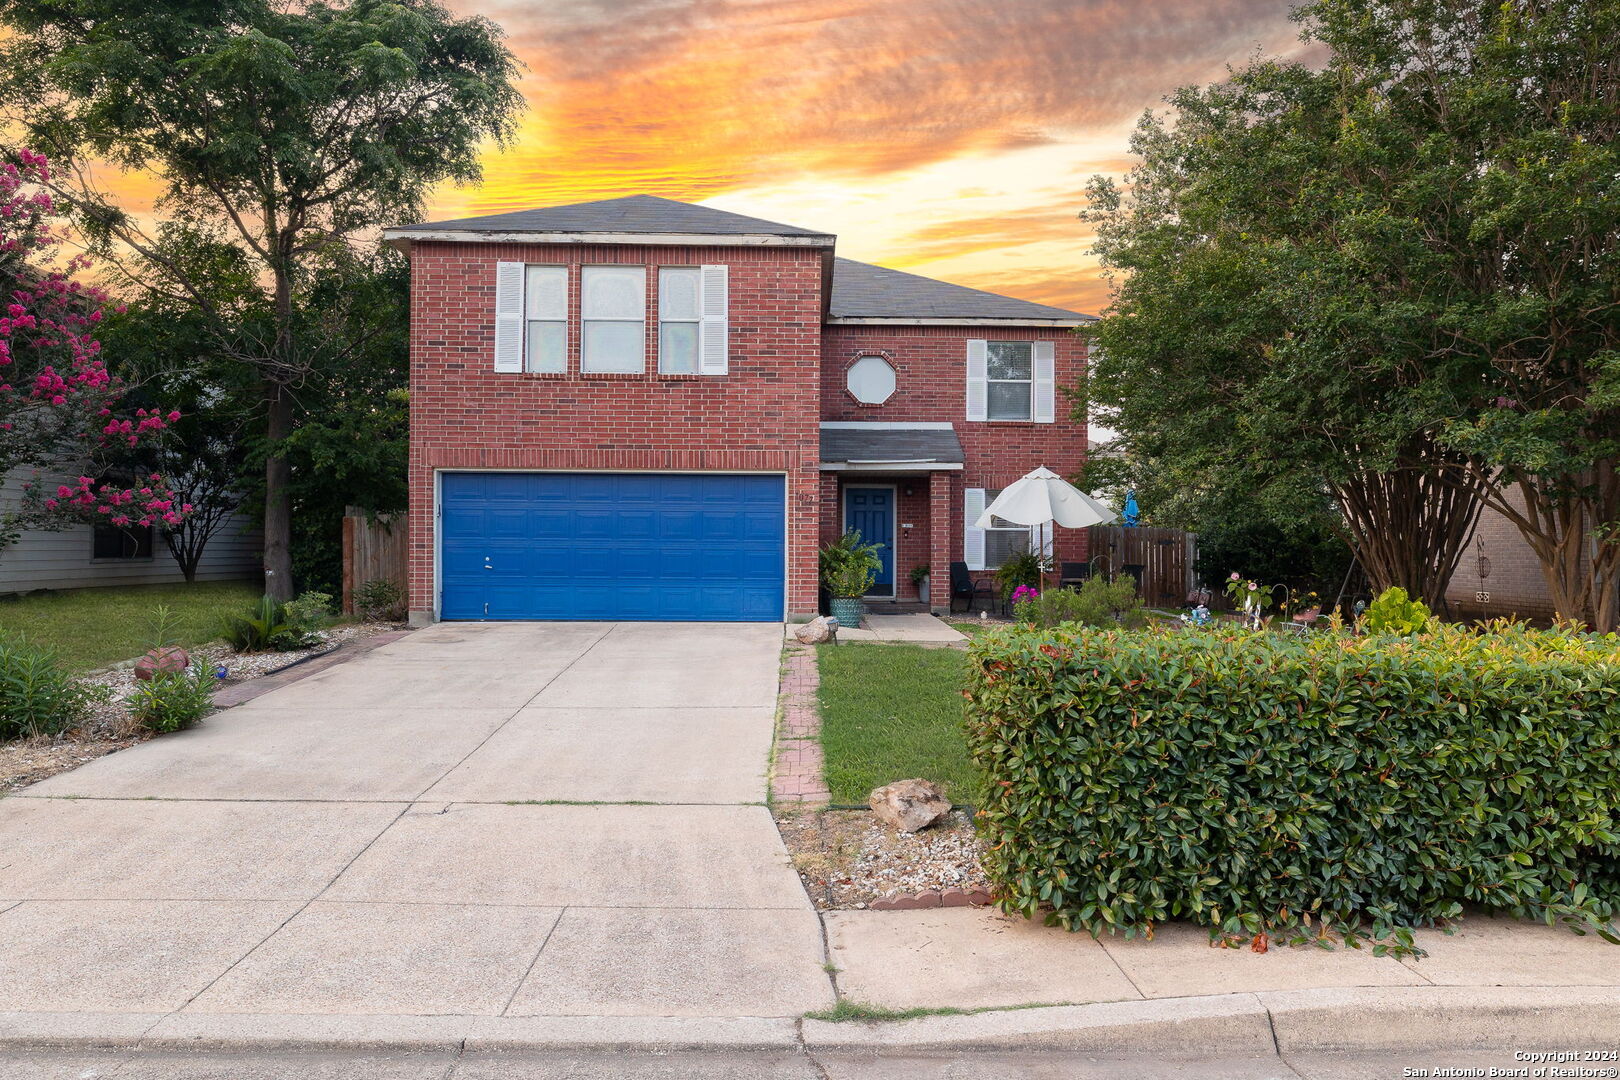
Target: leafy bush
<point>1396,613</point>
<point>268,628</point>
<point>1097,603</point>
<point>1263,784</point>
<point>1023,568</point>
<point>172,700</point>
<point>309,611</point>
<point>848,567</point>
<point>36,696</point>
<point>380,599</point>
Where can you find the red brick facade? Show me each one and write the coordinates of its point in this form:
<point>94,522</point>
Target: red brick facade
<point>786,374</point>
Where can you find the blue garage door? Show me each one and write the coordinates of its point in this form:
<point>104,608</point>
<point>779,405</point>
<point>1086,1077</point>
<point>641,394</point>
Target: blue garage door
<point>697,546</point>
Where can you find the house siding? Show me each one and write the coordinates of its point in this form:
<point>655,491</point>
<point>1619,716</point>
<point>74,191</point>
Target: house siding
<point>61,560</point>
<point>762,416</point>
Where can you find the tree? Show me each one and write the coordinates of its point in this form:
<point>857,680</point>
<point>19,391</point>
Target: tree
<point>1394,277</point>
<point>57,398</point>
<point>287,130</point>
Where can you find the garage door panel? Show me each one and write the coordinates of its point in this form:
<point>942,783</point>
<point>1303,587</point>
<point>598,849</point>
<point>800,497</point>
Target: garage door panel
<point>692,546</point>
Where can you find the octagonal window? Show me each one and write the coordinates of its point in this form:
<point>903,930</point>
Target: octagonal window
<point>870,380</point>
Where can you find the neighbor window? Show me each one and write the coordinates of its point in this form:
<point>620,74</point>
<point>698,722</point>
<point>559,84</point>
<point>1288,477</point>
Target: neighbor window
<point>613,318</point>
<point>1003,539</point>
<point>1010,370</point>
<point>111,542</point>
<point>678,312</point>
<point>545,302</point>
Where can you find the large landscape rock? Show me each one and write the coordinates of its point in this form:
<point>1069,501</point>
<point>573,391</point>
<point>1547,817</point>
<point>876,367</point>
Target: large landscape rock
<point>168,658</point>
<point>818,631</point>
<point>909,805</point>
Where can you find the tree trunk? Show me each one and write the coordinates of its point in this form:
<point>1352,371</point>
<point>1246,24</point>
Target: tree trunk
<point>1570,527</point>
<point>278,577</point>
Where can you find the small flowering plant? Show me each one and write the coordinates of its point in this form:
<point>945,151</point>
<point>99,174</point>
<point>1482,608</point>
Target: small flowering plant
<point>1023,593</point>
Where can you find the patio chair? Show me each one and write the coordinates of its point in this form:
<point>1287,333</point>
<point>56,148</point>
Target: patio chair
<point>964,585</point>
<point>1074,573</point>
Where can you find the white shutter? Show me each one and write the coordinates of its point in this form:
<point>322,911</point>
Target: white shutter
<point>972,538</point>
<point>978,389</point>
<point>714,331</point>
<point>1044,408</point>
<point>508,316</point>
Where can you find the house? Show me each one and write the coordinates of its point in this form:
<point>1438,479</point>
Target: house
<point>86,556</point>
<point>639,408</point>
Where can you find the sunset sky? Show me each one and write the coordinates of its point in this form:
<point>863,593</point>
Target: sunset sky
<point>951,138</point>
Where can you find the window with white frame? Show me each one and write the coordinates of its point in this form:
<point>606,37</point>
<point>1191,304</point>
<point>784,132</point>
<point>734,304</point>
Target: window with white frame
<point>545,314</point>
<point>1003,539</point>
<point>679,314</point>
<point>613,318</point>
<point>1010,379</point>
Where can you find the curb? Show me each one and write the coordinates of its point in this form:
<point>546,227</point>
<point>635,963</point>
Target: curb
<point>1333,1020</point>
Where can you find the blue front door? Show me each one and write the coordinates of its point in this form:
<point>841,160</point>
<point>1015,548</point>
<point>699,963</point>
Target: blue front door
<point>870,512</point>
<point>690,546</point>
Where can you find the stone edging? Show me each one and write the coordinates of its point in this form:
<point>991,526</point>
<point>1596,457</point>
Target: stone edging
<point>796,775</point>
<point>241,693</point>
<point>929,898</point>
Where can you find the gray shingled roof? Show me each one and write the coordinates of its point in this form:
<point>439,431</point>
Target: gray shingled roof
<point>632,214</point>
<point>845,445</point>
<point>861,290</point>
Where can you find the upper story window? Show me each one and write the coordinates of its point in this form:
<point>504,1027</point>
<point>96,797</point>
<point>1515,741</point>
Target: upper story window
<point>1011,381</point>
<point>679,313</point>
<point>545,330</point>
<point>1010,369</point>
<point>613,318</point>
<point>870,379</point>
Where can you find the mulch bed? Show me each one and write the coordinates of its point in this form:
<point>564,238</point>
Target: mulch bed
<point>846,859</point>
<point>109,727</point>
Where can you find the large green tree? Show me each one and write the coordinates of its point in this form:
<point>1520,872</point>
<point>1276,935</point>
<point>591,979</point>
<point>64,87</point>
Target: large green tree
<point>284,129</point>
<point>1393,277</point>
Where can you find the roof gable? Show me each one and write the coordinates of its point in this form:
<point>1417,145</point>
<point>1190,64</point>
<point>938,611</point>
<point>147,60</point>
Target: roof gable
<point>631,215</point>
<point>862,291</point>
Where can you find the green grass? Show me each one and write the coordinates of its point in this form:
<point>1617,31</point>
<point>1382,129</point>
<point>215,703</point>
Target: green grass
<point>891,712</point>
<point>91,628</point>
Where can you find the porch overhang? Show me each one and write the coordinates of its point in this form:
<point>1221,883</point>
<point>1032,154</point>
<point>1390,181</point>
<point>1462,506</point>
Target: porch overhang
<point>873,447</point>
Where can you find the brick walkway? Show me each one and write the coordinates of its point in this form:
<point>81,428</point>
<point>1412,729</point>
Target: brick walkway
<point>797,776</point>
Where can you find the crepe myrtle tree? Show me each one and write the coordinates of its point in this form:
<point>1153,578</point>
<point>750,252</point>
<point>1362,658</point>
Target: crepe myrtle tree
<point>58,403</point>
<point>288,128</point>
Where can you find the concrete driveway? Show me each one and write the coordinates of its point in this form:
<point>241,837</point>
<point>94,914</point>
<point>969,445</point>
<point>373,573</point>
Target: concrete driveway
<point>478,820</point>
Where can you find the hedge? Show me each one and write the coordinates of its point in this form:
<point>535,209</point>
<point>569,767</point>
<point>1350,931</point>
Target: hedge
<point>1268,786</point>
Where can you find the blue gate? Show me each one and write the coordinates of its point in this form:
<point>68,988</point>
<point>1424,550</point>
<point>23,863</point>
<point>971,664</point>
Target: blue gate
<point>654,546</point>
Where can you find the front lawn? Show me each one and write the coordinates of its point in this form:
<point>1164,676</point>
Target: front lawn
<point>91,628</point>
<point>891,712</point>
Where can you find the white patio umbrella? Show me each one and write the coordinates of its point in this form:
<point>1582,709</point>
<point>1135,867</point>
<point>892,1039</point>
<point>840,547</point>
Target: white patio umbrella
<point>1042,499</point>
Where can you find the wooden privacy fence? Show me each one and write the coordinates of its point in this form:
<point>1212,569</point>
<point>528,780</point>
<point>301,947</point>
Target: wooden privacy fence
<point>1161,559</point>
<point>373,547</point>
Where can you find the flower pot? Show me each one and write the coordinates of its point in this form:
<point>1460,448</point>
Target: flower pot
<point>922,590</point>
<point>848,611</point>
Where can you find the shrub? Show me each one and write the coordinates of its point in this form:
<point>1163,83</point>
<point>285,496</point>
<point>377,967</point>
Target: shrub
<point>266,629</point>
<point>1023,568</point>
<point>1263,784</point>
<point>1097,603</point>
<point>172,700</point>
<point>380,599</point>
<point>309,611</point>
<point>1396,613</point>
<point>36,696</point>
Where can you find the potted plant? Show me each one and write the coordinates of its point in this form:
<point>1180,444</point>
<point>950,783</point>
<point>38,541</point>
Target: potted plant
<point>848,568</point>
<point>919,578</point>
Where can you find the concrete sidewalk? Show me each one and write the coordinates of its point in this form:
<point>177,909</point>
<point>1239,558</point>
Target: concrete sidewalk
<point>498,821</point>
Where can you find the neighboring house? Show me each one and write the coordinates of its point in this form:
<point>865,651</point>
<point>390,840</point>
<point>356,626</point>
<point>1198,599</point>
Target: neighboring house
<point>86,556</point>
<point>644,409</point>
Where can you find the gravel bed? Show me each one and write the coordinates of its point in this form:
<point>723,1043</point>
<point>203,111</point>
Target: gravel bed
<point>846,859</point>
<point>108,727</point>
